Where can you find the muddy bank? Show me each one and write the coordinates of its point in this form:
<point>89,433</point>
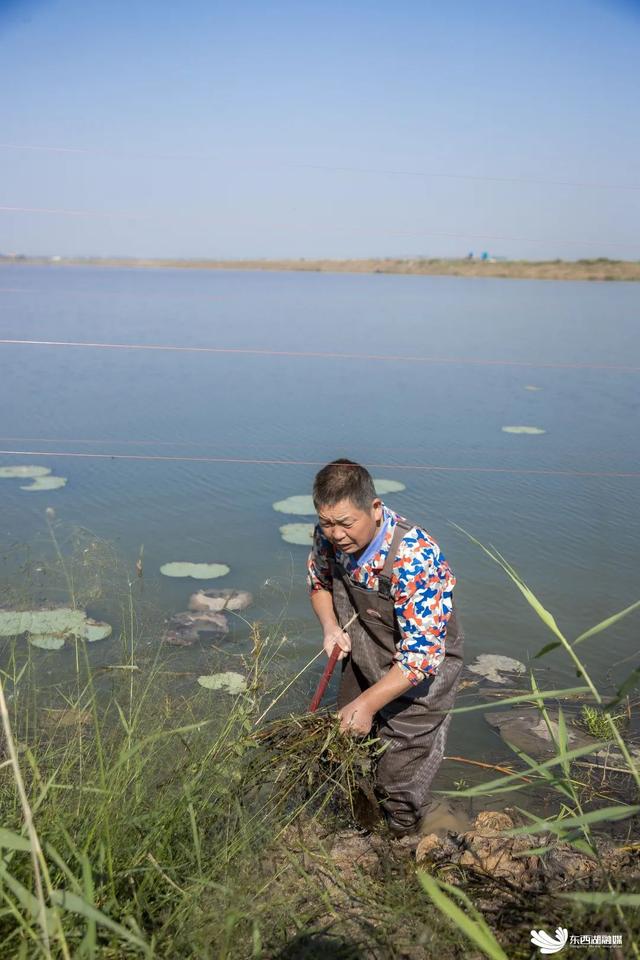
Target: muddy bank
<point>358,873</point>
<point>600,268</point>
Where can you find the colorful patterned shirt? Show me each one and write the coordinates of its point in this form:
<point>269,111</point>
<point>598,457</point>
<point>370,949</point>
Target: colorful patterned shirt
<point>421,587</point>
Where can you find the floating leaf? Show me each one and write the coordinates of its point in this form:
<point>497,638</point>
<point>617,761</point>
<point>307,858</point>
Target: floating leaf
<point>199,571</point>
<point>531,430</point>
<point>94,630</point>
<point>49,628</point>
<point>230,682</point>
<point>298,533</point>
<point>22,472</point>
<point>301,504</point>
<point>388,486</point>
<point>46,483</point>
<point>493,666</point>
<point>47,641</point>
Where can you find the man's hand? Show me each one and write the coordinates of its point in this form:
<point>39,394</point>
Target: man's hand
<point>335,635</point>
<point>356,717</point>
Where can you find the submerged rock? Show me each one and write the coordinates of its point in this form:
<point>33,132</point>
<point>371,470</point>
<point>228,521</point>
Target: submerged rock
<point>493,666</point>
<point>484,850</point>
<point>526,729</point>
<point>216,600</point>
<point>184,629</point>
<point>199,571</point>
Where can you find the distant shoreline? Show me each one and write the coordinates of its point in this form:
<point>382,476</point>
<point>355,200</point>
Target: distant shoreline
<point>600,268</point>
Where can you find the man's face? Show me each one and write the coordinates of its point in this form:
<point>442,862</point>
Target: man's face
<point>348,527</point>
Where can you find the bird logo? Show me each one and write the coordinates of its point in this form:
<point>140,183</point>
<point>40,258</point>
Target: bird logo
<point>548,944</point>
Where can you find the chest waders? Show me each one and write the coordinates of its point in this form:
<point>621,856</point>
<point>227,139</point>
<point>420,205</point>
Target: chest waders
<point>415,724</point>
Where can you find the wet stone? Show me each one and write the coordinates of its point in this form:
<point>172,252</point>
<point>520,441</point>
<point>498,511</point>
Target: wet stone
<point>184,629</point>
<point>217,600</point>
<point>526,729</point>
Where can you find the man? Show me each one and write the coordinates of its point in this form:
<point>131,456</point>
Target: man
<point>402,659</point>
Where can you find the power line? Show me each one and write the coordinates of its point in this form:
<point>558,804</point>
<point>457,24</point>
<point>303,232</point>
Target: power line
<point>58,211</point>
<point>316,354</point>
<point>319,463</point>
<point>381,171</point>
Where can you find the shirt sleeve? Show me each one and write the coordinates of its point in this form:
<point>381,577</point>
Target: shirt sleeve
<point>423,597</point>
<point>319,576</point>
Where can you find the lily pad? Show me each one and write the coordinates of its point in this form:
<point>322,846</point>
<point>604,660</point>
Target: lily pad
<point>23,472</point>
<point>298,533</point>
<point>531,430</point>
<point>47,641</point>
<point>493,667</point>
<point>216,600</point>
<point>229,682</point>
<point>388,486</point>
<point>46,483</point>
<point>49,628</point>
<point>301,504</point>
<point>199,571</point>
<point>94,630</point>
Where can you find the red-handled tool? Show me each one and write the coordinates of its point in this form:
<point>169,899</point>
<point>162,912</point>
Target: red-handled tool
<point>328,670</point>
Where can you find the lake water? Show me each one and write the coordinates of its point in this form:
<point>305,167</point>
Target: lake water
<point>562,507</point>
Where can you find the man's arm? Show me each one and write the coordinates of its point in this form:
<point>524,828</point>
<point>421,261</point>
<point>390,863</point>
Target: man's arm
<point>320,583</point>
<point>322,603</point>
<point>422,601</point>
<point>357,716</point>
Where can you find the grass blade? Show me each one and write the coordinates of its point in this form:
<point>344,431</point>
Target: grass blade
<point>475,929</point>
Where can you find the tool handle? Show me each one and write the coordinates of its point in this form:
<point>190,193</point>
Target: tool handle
<point>324,679</point>
<point>328,670</point>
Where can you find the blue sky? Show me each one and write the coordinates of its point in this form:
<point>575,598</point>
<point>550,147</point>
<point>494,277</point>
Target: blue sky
<point>306,129</point>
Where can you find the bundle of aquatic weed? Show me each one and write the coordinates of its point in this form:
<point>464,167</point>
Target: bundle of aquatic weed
<point>307,762</point>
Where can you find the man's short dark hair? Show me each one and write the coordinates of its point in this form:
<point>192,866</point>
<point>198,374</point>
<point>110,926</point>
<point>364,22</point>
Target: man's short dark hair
<point>343,480</point>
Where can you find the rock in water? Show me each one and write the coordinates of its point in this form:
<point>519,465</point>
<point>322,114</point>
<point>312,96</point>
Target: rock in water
<point>216,600</point>
<point>186,628</point>
<point>526,729</point>
<point>486,852</point>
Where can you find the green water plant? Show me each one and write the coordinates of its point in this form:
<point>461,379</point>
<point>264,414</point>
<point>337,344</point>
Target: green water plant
<point>298,504</point>
<point>530,430</point>
<point>495,667</point>
<point>229,681</point>
<point>388,486</point>
<point>596,721</point>
<point>45,483</point>
<point>198,571</point>
<point>298,533</point>
<point>23,472</point>
<point>48,628</point>
<point>302,504</point>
